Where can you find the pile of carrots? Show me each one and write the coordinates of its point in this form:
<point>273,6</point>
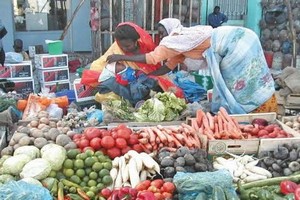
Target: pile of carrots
<point>220,126</point>
<point>157,137</point>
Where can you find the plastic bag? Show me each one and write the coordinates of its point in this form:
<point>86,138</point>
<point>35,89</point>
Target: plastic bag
<point>13,57</point>
<point>95,117</point>
<point>190,185</point>
<point>23,191</point>
<point>106,97</point>
<point>55,111</point>
<point>90,77</point>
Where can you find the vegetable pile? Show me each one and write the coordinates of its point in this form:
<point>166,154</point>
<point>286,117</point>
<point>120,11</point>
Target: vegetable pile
<point>293,122</point>
<point>156,137</point>
<point>132,168</point>
<point>40,132</point>
<point>242,168</point>
<point>114,142</point>
<point>283,161</point>
<point>183,160</point>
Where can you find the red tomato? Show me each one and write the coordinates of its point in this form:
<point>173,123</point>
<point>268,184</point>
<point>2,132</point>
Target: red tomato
<point>153,189</point>
<point>167,195</point>
<point>297,193</point>
<point>124,133</point>
<point>91,133</point>
<point>143,185</point>
<point>121,126</point>
<point>95,143</point>
<point>158,183</point>
<point>83,143</point>
<point>113,152</point>
<point>88,148</point>
<point>133,139</point>
<point>76,137</point>
<point>105,133</point>
<point>158,196</point>
<point>114,134</point>
<point>107,142</point>
<point>138,148</point>
<point>168,187</point>
<point>287,187</point>
<point>125,150</point>
<point>105,192</point>
<point>121,143</point>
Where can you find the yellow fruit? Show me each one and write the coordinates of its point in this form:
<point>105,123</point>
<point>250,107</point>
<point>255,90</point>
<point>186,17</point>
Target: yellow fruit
<point>93,175</point>
<point>68,172</point>
<point>79,164</point>
<point>68,164</point>
<point>97,166</point>
<point>72,153</point>
<point>107,180</point>
<point>103,172</point>
<point>107,165</point>
<point>80,173</point>
<point>92,183</point>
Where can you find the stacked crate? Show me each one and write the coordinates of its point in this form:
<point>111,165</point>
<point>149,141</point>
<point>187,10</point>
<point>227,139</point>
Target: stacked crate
<point>21,74</point>
<point>53,72</point>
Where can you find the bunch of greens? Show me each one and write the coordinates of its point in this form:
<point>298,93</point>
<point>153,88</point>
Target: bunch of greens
<point>119,109</point>
<point>162,107</point>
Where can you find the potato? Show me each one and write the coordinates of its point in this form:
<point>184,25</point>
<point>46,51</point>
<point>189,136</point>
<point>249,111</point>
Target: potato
<point>40,126</point>
<point>62,140</point>
<point>34,123</point>
<point>70,145</point>
<point>44,120</point>
<point>24,141</point>
<point>17,136</point>
<point>42,114</point>
<point>52,124</point>
<point>23,129</point>
<point>37,133</point>
<point>16,146</point>
<point>40,142</point>
<point>45,129</point>
<point>7,151</point>
<point>53,133</point>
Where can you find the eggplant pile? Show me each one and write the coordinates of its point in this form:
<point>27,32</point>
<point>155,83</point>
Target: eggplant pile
<point>283,161</point>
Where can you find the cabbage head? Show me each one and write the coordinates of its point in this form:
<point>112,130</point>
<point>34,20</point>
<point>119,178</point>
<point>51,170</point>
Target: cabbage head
<point>38,169</point>
<point>55,154</point>
<point>14,165</point>
<point>32,151</point>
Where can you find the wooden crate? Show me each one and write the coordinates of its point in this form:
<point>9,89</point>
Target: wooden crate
<point>293,99</point>
<point>145,124</point>
<point>272,144</point>
<point>280,99</point>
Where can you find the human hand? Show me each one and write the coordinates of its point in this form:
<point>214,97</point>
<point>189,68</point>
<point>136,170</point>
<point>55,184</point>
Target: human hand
<point>114,58</point>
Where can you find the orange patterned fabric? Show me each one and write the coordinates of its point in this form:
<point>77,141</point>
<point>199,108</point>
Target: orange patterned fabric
<point>268,106</point>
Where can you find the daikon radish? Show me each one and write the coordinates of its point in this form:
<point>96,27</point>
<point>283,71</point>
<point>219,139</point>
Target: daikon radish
<point>133,174</point>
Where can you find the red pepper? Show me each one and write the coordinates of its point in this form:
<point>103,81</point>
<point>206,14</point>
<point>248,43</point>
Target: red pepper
<point>146,195</point>
<point>287,187</point>
<point>297,193</point>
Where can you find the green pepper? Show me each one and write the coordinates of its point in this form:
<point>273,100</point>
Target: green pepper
<point>264,194</point>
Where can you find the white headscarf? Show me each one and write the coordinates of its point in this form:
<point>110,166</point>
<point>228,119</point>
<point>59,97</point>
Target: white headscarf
<point>181,38</point>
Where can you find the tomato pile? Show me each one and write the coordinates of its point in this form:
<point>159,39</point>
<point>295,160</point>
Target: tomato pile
<point>114,142</point>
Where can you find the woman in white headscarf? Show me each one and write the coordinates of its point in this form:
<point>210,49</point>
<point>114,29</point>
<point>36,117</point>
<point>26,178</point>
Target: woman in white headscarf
<point>242,80</point>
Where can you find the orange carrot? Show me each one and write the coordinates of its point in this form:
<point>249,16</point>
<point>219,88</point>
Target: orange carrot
<point>199,116</point>
<point>211,122</point>
<point>201,129</point>
<point>151,135</point>
<point>176,142</point>
<point>226,116</point>
<point>220,124</point>
<point>157,140</point>
<point>196,126</point>
<point>179,137</point>
<point>146,150</point>
<point>143,140</point>
<point>144,134</point>
<point>160,134</point>
<point>216,128</point>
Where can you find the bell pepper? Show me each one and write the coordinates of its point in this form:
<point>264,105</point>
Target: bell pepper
<point>287,187</point>
<point>146,195</point>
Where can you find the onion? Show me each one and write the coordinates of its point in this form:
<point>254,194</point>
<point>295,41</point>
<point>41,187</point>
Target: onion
<point>260,122</point>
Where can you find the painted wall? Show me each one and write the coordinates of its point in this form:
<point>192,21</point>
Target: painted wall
<point>6,13</point>
<point>78,37</point>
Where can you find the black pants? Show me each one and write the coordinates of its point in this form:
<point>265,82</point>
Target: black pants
<point>2,56</point>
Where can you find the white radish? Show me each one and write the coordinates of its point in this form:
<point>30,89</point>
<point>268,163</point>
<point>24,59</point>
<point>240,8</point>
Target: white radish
<point>260,171</point>
<point>118,182</point>
<point>143,175</point>
<point>216,165</point>
<point>113,173</point>
<point>139,162</point>
<point>239,171</point>
<point>124,168</point>
<point>251,164</point>
<point>126,184</point>
<point>115,162</point>
<point>149,162</point>
<point>222,161</point>
<point>133,174</point>
<point>254,177</point>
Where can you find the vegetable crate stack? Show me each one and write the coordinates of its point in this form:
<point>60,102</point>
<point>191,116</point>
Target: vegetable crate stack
<point>53,71</point>
<point>21,74</point>
<point>83,93</point>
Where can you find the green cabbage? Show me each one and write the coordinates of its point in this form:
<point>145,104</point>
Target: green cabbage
<point>38,169</point>
<point>32,151</point>
<point>14,165</point>
<point>55,154</point>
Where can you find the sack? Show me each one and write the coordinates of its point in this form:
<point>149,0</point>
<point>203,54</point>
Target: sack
<point>3,31</point>
<point>90,77</point>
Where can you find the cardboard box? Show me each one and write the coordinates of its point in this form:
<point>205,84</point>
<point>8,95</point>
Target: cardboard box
<point>83,92</point>
<point>24,86</point>
<point>61,74</point>
<point>21,70</point>
<point>56,86</point>
<point>47,61</point>
<point>5,72</point>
